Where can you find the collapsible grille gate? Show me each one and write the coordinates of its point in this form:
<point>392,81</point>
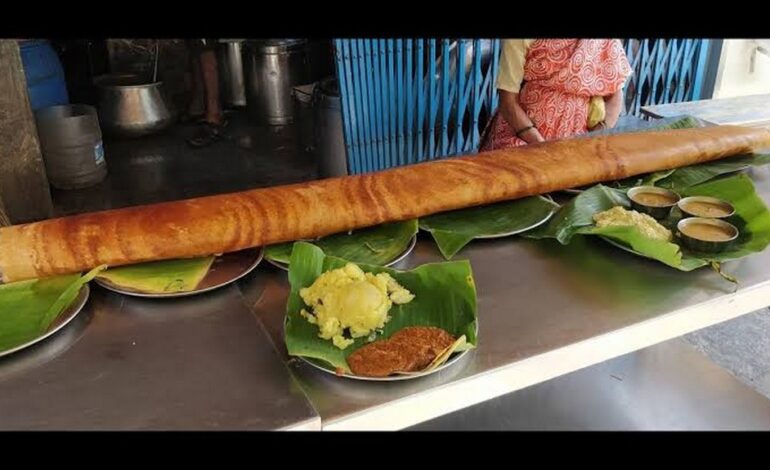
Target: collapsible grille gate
<point>410,100</point>
<point>665,71</point>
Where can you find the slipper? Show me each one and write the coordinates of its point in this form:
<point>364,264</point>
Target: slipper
<point>187,118</point>
<point>205,136</point>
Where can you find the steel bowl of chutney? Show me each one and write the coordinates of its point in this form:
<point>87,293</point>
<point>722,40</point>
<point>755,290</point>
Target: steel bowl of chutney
<point>705,207</point>
<point>652,200</point>
<point>706,235</point>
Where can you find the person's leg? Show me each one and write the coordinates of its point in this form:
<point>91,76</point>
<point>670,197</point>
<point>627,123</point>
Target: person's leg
<point>196,107</point>
<point>210,72</point>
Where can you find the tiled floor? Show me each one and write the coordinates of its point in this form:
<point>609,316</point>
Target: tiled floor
<point>742,346</point>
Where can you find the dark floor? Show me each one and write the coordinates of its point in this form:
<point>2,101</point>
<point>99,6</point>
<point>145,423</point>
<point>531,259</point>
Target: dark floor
<point>164,167</point>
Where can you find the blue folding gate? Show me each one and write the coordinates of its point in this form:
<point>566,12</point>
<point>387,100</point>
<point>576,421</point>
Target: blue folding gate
<point>410,100</point>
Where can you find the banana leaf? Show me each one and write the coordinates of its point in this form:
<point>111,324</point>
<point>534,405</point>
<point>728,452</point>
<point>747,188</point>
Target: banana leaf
<point>578,213</point>
<point>29,308</point>
<point>751,217</point>
<point>160,277</point>
<point>375,245</point>
<point>455,229</point>
<point>678,179</point>
<point>681,178</point>
<point>445,297</point>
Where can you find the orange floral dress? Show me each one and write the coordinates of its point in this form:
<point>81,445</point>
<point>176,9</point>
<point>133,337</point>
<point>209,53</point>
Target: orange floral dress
<point>560,78</point>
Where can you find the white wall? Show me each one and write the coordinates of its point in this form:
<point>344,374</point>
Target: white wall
<point>734,77</point>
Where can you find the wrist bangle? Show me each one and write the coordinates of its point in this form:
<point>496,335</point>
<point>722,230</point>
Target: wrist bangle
<point>518,134</point>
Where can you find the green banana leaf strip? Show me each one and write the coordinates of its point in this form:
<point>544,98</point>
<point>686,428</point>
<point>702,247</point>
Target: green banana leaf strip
<point>445,297</point>
<point>455,229</point>
<point>376,245</point>
<point>678,179</point>
<point>29,308</point>
<point>578,213</point>
<point>683,178</point>
<point>751,215</point>
<point>665,252</point>
<point>178,275</point>
<point>752,219</point>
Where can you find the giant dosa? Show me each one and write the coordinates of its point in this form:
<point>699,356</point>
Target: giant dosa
<point>229,222</point>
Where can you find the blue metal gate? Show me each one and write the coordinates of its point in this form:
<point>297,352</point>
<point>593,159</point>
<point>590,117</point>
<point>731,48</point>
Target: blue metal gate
<point>665,71</point>
<point>410,100</point>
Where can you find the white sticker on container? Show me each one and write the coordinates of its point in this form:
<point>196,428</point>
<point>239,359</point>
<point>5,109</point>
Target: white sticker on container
<point>99,153</point>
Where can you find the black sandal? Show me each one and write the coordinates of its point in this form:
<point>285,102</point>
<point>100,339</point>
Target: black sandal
<point>206,135</point>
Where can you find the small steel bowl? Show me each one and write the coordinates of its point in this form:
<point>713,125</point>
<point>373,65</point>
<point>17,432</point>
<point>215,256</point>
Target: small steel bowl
<point>683,203</point>
<point>657,212</point>
<point>706,246</point>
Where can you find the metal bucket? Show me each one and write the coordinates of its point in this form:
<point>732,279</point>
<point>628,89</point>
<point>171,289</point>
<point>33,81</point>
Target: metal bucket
<point>131,107</point>
<point>329,146</point>
<point>303,112</point>
<point>272,68</point>
<point>71,143</point>
<point>230,57</point>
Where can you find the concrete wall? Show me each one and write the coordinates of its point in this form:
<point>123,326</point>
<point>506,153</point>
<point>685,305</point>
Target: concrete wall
<point>735,77</point>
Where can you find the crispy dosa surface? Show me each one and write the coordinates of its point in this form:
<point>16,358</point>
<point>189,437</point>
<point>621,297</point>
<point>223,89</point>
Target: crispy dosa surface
<point>230,222</point>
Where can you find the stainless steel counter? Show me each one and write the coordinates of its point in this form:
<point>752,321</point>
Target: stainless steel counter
<point>201,363</point>
<point>205,362</point>
<point>544,310</point>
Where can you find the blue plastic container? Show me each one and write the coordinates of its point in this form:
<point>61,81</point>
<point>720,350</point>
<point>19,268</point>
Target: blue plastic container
<point>46,84</point>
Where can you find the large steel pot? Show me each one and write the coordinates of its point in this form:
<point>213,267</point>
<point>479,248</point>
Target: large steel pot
<point>131,107</point>
<point>329,139</point>
<point>231,73</point>
<point>273,68</point>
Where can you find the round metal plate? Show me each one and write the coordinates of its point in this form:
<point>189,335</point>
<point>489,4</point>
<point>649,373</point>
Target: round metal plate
<point>225,269</point>
<point>573,191</point>
<point>521,230</point>
<point>320,365</point>
<point>634,252</point>
<point>622,246</point>
<point>395,260</point>
<point>61,321</point>
<point>393,378</point>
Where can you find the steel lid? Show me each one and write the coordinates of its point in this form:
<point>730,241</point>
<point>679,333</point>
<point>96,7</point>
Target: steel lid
<point>272,46</point>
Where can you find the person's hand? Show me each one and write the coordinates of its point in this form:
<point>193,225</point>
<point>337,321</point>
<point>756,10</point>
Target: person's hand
<point>601,125</point>
<point>531,136</point>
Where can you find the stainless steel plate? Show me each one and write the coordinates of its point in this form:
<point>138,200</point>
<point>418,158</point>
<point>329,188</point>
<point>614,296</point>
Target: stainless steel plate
<point>520,230</point>
<point>622,246</point>
<point>632,251</point>
<point>573,190</point>
<point>395,260</point>
<point>62,320</point>
<point>225,269</point>
<point>320,365</point>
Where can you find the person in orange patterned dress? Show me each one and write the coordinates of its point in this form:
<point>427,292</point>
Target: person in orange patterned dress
<point>555,89</point>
